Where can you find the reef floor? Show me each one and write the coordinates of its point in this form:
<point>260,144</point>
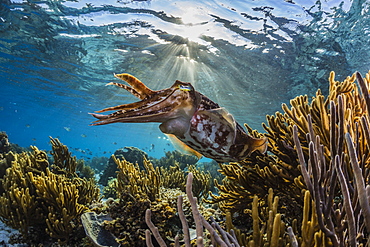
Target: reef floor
<point>5,233</point>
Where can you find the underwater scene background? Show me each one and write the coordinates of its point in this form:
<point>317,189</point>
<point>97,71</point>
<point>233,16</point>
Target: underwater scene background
<point>248,56</point>
<point>269,63</point>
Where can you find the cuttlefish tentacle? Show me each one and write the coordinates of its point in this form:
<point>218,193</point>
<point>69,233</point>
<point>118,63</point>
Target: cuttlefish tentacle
<point>141,91</point>
<point>188,117</point>
<point>155,108</point>
<point>160,96</point>
<point>127,88</point>
<point>138,89</point>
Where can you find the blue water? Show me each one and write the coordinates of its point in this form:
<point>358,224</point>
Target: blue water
<point>248,56</point>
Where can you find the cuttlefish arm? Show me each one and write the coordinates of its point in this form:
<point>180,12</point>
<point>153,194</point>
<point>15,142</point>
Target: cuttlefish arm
<point>138,89</point>
<point>173,107</point>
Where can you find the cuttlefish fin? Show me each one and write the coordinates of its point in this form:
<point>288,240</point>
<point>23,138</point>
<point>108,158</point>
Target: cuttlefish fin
<point>260,144</point>
<point>223,113</point>
<point>182,147</point>
<point>138,88</point>
<point>245,145</point>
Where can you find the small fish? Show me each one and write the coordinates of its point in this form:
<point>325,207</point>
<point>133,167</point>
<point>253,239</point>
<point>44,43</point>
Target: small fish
<point>194,121</point>
<point>67,129</point>
<point>83,135</point>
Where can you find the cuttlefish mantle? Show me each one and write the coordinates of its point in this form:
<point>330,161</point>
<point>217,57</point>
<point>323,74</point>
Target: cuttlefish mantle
<point>191,120</point>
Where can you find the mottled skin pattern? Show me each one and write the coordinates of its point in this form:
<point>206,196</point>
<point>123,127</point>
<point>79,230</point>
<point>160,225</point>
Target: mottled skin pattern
<point>188,115</point>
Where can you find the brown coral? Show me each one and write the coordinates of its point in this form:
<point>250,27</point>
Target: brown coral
<point>151,188</point>
<point>318,129</point>
<point>37,200</point>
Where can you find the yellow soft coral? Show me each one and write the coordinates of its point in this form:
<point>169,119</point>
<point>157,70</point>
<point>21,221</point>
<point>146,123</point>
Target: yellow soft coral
<point>319,126</point>
<point>40,200</point>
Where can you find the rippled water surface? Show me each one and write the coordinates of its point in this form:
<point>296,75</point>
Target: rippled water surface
<point>248,56</point>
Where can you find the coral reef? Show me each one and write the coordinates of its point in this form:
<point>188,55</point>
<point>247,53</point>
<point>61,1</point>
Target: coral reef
<point>321,148</point>
<point>111,189</point>
<point>333,168</point>
<point>218,235</point>
<point>128,224</point>
<point>311,189</point>
<point>174,177</point>
<point>84,171</point>
<point>41,199</point>
<point>201,183</point>
<point>6,146</point>
<point>131,154</point>
<point>98,163</point>
<point>152,188</point>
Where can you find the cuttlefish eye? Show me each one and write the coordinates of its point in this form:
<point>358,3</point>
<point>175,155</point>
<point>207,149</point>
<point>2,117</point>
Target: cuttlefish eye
<point>185,87</point>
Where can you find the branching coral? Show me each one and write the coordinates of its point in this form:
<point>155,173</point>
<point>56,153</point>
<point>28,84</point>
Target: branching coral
<point>130,179</point>
<point>64,162</point>
<point>173,177</point>
<point>341,219</point>
<point>243,182</point>
<point>130,154</point>
<point>331,135</point>
<point>201,183</point>
<point>267,224</point>
<point>218,235</point>
<point>155,188</point>
<point>137,191</point>
<point>147,182</point>
<point>36,200</point>
<point>128,225</point>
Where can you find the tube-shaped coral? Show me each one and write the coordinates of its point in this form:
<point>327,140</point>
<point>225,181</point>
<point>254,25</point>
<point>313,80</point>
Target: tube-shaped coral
<point>200,222</point>
<point>304,143</point>
<point>348,121</point>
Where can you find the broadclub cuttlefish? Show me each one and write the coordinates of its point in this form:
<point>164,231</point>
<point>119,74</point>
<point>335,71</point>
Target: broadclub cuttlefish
<point>192,121</point>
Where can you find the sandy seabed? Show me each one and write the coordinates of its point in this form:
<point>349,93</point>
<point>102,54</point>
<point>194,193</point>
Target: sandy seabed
<point>5,233</point>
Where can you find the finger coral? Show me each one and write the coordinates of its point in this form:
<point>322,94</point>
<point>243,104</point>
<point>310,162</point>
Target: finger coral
<point>135,181</point>
<point>41,199</point>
